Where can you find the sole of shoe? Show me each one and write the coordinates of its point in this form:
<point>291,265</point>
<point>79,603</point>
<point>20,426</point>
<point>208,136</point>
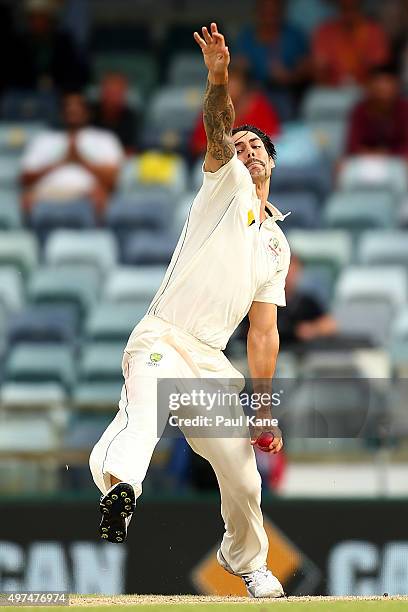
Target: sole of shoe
<point>116,506</point>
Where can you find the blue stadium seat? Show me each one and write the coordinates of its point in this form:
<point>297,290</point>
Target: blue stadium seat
<point>96,248</point>
<point>47,216</point>
<point>28,106</point>
<point>10,209</point>
<point>304,209</point>
<point>129,213</point>
<point>148,248</point>
<point>43,323</point>
<point>133,285</point>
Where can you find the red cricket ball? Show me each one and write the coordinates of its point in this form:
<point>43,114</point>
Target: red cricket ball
<point>264,441</point>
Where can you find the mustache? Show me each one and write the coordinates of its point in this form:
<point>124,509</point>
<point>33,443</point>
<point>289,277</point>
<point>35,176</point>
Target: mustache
<point>252,161</point>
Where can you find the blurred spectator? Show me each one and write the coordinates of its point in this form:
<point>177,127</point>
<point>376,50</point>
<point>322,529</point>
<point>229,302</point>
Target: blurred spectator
<point>304,318</point>
<point>45,56</point>
<point>276,51</point>
<point>345,49</point>
<point>251,107</point>
<point>394,19</point>
<point>379,123</point>
<point>78,160</point>
<point>113,113</point>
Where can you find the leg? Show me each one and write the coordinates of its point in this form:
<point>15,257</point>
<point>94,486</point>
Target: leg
<point>245,543</point>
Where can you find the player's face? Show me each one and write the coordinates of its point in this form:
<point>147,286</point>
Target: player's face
<point>251,151</point>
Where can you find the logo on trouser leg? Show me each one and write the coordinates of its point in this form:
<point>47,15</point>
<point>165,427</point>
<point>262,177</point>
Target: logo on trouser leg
<point>154,359</point>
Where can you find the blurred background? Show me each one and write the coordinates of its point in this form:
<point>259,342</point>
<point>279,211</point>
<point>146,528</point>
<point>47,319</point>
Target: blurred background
<point>101,146</point>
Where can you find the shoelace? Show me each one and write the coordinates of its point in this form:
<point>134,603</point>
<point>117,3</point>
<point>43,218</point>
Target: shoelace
<point>251,578</point>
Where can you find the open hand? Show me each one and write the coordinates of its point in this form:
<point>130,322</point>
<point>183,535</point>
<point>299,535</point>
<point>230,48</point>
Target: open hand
<point>215,52</point>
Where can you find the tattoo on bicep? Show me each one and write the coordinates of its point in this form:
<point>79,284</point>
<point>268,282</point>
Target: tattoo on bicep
<point>219,118</point>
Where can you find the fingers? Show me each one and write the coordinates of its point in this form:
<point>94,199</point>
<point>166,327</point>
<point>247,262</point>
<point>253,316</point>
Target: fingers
<point>206,36</point>
<point>276,445</point>
<point>199,40</point>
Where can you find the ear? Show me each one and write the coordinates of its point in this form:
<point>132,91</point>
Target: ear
<point>272,163</point>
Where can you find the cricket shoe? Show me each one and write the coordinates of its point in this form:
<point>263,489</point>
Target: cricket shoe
<point>260,583</point>
<point>116,507</point>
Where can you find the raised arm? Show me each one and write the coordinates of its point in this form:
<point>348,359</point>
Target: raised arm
<point>218,111</point>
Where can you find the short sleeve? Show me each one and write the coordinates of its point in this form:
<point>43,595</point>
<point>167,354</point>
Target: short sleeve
<point>273,292</point>
<point>221,186</point>
<point>42,151</point>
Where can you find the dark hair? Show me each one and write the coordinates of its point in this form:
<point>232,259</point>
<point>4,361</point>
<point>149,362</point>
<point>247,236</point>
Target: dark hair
<point>268,144</point>
<point>389,69</point>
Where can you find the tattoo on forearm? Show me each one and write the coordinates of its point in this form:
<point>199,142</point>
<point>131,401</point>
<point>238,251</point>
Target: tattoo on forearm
<point>219,118</point>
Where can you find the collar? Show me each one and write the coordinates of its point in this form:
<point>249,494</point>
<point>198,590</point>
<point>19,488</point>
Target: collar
<point>274,213</point>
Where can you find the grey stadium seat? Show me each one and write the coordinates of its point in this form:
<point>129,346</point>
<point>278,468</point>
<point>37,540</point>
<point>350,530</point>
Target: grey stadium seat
<point>371,173</point>
<point>361,283</point>
<point>356,211</point>
<point>19,249</point>
<point>384,247</point>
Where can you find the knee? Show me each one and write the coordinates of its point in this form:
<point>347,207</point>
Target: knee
<point>248,488</point>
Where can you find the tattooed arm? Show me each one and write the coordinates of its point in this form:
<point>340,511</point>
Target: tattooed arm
<point>218,108</point>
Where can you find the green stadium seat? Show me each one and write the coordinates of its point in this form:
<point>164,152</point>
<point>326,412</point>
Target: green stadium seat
<point>22,433</point>
<point>9,170</point>
<point>90,247</point>
<point>374,173</point>
<point>97,395</point>
<point>172,182</point>
<point>133,284</point>
<point>19,249</point>
<point>326,249</point>
<point>27,395</point>
<point>10,209</point>
<point>384,247</point>
<point>357,211</point>
<point>101,362</point>
<point>110,322</point>
<point>76,285</point>
<point>42,363</point>
<point>361,283</point>
<point>11,289</point>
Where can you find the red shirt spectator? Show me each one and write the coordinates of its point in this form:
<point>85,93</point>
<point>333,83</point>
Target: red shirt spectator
<point>379,123</point>
<point>347,48</point>
<point>251,106</point>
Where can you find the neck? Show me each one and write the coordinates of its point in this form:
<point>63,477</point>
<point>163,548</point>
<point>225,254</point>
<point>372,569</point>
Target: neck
<point>262,191</point>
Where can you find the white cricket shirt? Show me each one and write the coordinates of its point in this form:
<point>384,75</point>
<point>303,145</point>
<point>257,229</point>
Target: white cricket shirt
<point>225,259</point>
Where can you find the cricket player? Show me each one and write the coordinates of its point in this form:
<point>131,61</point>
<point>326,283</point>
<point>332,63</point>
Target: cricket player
<point>231,260</point>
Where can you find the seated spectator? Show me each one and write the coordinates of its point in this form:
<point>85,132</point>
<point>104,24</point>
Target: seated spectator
<point>113,113</point>
<point>304,318</point>
<point>379,123</point>
<point>77,161</point>
<point>346,49</point>
<point>251,107</point>
<point>44,55</point>
<point>276,51</point>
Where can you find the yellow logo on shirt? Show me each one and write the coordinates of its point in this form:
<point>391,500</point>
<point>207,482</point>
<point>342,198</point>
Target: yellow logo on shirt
<point>251,217</point>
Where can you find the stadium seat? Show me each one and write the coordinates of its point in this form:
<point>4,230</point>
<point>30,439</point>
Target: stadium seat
<point>148,248</point>
<point>9,171</point>
<point>160,173</point>
<point>101,363</point>
<point>329,102</point>
<point>383,247</point>
<point>42,323</point>
<point>65,285</point>
<point>304,209</point>
<point>31,363</point>
<point>133,284</point>
<point>318,280</point>
<point>374,173</point>
<point>97,395</point>
<point>186,70</point>
<point>365,318</point>
<point>19,249</point>
<point>330,249</point>
<point>10,209</point>
<point>171,116</point>
<point>22,433</point>
<point>182,210</point>
<point>399,341</point>
<point>84,431</point>
<point>127,214</point>
<point>11,288</point>
<point>14,137</point>
<point>26,395</point>
<point>90,247</point>
<point>361,283</point>
<point>357,211</point>
<point>330,135</point>
<point>113,322</point>
<point>30,106</point>
<point>48,216</point>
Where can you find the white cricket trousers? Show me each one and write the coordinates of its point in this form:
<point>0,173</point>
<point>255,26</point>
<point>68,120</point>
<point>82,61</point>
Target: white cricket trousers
<point>125,448</point>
